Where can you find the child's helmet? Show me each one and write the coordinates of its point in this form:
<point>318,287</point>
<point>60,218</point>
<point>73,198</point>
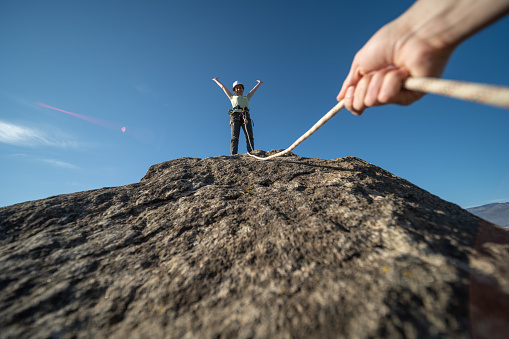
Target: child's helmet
<point>236,83</point>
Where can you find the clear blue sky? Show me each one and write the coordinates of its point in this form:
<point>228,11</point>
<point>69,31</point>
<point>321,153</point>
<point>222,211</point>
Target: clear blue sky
<point>148,65</point>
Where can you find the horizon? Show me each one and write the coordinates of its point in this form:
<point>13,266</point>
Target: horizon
<point>95,93</point>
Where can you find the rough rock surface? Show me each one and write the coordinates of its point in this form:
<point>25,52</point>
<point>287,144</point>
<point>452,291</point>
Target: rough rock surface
<point>232,247</point>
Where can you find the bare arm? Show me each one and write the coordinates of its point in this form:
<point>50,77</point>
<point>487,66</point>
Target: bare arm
<point>228,93</point>
<point>418,43</point>
<point>252,92</point>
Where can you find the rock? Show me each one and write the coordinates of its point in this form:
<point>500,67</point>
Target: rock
<point>233,247</point>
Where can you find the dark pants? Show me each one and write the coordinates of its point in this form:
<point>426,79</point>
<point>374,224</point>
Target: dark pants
<point>236,122</point>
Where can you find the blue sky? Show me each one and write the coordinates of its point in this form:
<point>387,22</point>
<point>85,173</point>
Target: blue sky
<point>147,66</point>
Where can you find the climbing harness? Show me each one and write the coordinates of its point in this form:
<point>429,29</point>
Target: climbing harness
<point>244,117</point>
<point>242,110</point>
<point>485,94</point>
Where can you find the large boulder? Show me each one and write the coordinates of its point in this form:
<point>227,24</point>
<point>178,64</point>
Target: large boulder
<point>233,247</point>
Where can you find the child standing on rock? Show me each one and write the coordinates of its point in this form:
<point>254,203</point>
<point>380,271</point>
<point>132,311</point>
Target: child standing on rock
<point>239,114</point>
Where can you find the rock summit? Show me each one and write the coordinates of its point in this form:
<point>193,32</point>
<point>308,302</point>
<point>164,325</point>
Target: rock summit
<point>233,247</point>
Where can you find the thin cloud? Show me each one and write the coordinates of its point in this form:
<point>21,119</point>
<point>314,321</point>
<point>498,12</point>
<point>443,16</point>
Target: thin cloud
<point>144,89</point>
<point>16,98</point>
<point>47,161</point>
<point>18,135</point>
<point>59,163</point>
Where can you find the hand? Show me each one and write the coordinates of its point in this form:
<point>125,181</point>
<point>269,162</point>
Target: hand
<point>215,78</point>
<point>260,82</point>
<point>379,68</point>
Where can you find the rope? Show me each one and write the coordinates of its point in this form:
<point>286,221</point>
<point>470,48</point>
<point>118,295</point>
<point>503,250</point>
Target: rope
<point>306,135</point>
<point>480,93</point>
<point>485,94</point>
<point>246,121</point>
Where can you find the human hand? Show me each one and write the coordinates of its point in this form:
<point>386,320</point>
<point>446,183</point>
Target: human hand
<point>215,78</point>
<point>378,70</point>
<point>259,81</point>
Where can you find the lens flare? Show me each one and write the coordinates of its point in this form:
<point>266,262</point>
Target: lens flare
<point>103,123</point>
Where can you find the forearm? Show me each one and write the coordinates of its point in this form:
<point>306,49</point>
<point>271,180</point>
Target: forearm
<point>254,89</point>
<point>446,23</point>
<point>226,91</point>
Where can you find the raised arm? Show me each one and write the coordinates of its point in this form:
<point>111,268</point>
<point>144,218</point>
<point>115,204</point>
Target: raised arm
<point>228,93</point>
<point>252,92</point>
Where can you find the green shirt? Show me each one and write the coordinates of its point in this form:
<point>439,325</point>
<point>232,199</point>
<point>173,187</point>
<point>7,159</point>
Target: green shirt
<point>242,101</point>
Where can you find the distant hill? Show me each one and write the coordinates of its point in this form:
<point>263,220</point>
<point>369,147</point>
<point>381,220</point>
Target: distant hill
<point>495,213</point>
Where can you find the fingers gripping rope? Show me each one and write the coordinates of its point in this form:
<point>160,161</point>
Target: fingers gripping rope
<point>480,93</point>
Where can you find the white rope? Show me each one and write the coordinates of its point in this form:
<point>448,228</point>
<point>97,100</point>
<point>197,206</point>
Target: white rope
<point>480,93</point>
<point>306,135</point>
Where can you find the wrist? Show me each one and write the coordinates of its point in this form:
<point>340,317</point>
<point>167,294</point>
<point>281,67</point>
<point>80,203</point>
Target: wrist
<point>428,22</point>
<point>444,24</point>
